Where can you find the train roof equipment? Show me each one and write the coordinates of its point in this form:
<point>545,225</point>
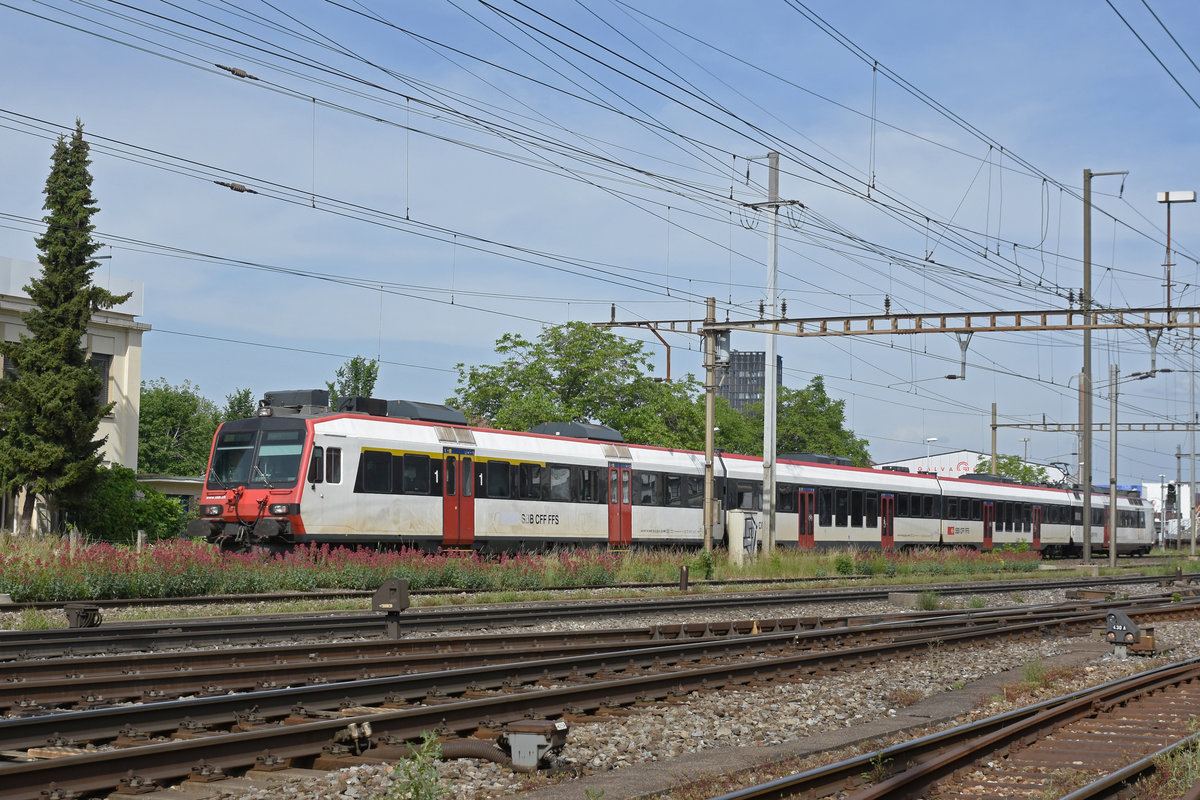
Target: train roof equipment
<point>372,406</point>
<point>987,477</point>
<point>294,401</point>
<point>425,412</point>
<point>579,430</point>
<point>818,458</point>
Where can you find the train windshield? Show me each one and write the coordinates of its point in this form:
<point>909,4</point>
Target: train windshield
<point>257,453</point>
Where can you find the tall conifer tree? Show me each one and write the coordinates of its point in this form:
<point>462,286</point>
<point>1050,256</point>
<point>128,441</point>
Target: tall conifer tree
<point>49,407</point>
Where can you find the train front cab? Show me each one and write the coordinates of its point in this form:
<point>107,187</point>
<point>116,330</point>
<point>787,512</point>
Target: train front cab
<point>252,490</point>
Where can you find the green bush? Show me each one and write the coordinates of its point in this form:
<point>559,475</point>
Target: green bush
<point>118,507</point>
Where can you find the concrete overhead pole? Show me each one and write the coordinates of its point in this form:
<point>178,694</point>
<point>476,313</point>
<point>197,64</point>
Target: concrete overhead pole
<point>1112,467</point>
<point>1085,382</point>
<point>710,383</point>
<point>1169,198</point>
<point>770,373</point>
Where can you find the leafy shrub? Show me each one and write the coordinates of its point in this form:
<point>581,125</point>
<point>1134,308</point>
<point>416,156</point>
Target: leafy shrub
<point>118,507</point>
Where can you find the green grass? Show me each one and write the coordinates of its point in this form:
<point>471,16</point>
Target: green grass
<point>45,569</point>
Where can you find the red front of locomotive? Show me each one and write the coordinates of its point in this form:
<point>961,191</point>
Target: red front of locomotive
<point>254,484</point>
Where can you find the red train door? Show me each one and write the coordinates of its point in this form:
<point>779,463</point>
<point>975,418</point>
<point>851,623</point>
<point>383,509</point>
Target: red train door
<point>989,519</point>
<point>887,521</point>
<point>807,538</point>
<point>458,497</point>
<point>620,505</point>
<point>1037,527</point>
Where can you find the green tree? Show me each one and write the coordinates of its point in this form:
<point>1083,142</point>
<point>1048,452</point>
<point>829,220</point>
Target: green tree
<point>1014,467</point>
<point>578,373</point>
<point>355,378</point>
<point>118,507</point>
<point>736,432</point>
<point>50,410</point>
<point>175,429</point>
<point>239,405</point>
<point>810,421</point>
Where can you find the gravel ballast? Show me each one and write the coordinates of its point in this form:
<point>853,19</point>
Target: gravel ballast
<point>717,732</point>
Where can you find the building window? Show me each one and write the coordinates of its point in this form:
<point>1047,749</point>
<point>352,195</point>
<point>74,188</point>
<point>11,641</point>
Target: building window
<point>102,363</point>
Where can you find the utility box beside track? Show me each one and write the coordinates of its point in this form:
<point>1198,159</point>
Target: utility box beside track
<point>391,598</point>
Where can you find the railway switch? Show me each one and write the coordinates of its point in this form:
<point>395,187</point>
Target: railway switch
<point>391,598</point>
<point>1123,633</point>
<point>529,742</point>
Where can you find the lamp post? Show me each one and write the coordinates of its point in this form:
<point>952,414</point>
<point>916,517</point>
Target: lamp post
<point>927,441</point>
<point>1168,198</point>
<point>1025,441</point>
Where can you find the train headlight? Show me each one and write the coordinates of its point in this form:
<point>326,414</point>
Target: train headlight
<point>284,509</point>
<point>210,511</point>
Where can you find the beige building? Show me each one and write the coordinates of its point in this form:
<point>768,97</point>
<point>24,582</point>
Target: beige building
<point>114,346</point>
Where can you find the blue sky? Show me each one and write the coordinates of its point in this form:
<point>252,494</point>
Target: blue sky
<point>433,175</point>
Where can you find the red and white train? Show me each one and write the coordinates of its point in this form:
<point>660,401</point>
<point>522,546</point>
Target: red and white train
<point>391,473</point>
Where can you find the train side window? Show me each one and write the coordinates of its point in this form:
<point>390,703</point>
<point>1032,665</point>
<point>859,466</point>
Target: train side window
<point>964,508</point>
<point>374,473</point>
<point>951,508</point>
<point>841,499</point>
<point>645,488</point>
<point>825,506</point>
<point>316,464</point>
<point>856,508</point>
<point>333,465</point>
<point>977,510</point>
<point>673,486</point>
<point>786,502</point>
<point>902,504</point>
<point>744,495</point>
<point>927,509</point>
<point>530,479</point>
<point>872,510</point>
<point>416,474</point>
<point>497,478</point>
<point>591,488</point>
<point>468,483</point>
<point>695,491</point>
<point>560,483</point>
<point>1027,517</point>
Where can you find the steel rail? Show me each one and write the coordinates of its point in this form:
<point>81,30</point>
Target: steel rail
<point>943,752</point>
<point>90,772</point>
<point>31,687</point>
<point>179,633</point>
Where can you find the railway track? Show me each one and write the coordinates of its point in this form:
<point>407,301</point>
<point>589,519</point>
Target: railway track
<point>37,687</point>
<point>1095,743</point>
<point>338,724</point>
<point>263,629</point>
